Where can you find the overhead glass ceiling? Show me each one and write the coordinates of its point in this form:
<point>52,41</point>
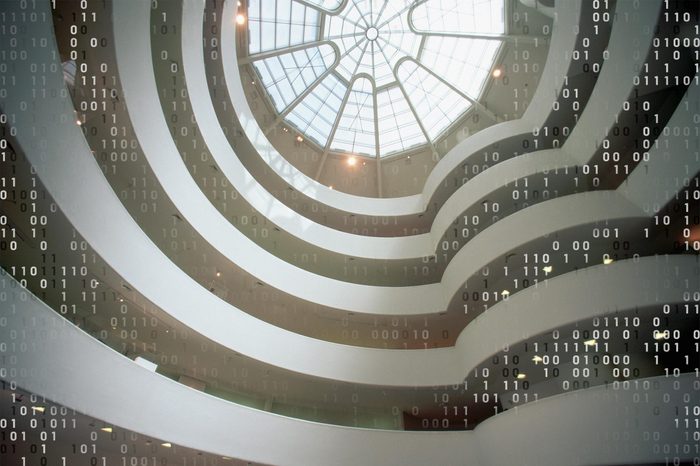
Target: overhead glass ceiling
<point>373,77</point>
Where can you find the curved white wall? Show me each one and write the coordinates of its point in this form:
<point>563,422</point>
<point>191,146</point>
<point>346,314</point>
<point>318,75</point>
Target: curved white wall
<point>578,428</point>
<point>93,208</point>
<point>561,301</point>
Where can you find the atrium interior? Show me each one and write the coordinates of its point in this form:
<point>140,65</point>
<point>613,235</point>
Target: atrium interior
<point>349,232</point>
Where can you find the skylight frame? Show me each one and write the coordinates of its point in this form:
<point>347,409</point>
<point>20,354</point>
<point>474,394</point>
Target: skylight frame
<point>421,39</point>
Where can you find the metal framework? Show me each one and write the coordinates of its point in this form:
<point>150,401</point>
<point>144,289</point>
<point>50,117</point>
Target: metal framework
<point>377,40</point>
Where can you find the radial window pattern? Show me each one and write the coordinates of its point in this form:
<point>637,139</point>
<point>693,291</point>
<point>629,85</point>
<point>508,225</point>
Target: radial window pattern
<point>374,77</point>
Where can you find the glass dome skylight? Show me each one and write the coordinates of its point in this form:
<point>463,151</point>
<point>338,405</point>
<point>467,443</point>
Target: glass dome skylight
<point>373,77</point>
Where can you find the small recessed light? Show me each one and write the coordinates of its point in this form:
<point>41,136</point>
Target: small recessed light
<point>607,261</point>
<point>240,19</point>
<point>78,122</point>
<point>352,161</point>
<point>166,444</point>
<point>106,429</point>
<point>590,342</point>
<point>300,139</point>
<point>38,409</point>
<point>497,73</point>
<point>547,268</point>
<point>505,293</point>
<point>520,376</point>
<point>330,187</point>
<point>537,358</point>
<point>218,274</point>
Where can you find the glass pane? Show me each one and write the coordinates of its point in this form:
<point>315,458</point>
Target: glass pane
<point>436,104</point>
<point>468,69</point>
<point>398,128</point>
<point>316,114</point>
<point>459,16</point>
<point>355,132</point>
<point>278,23</point>
<point>288,75</point>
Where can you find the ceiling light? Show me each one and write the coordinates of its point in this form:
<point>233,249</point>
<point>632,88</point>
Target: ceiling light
<point>505,293</point>
<point>38,409</point>
<point>78,122</point>
<point>659,335</point>
<point>240,19</point>
<point>300,139</point>
<point>166,444</point>
<point>497,73</point>
<point>106,429</point>
<point>590,342</point>
<point>537,358</point>
<point>547,269</point>
<point>520,376</point>
<point>352,161</point>
<point>218,274</point>
<point>330,187</point>
<point>607,261</point>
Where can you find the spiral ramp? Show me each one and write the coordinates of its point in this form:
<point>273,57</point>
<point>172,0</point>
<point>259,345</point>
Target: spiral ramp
<point>187,278</point>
